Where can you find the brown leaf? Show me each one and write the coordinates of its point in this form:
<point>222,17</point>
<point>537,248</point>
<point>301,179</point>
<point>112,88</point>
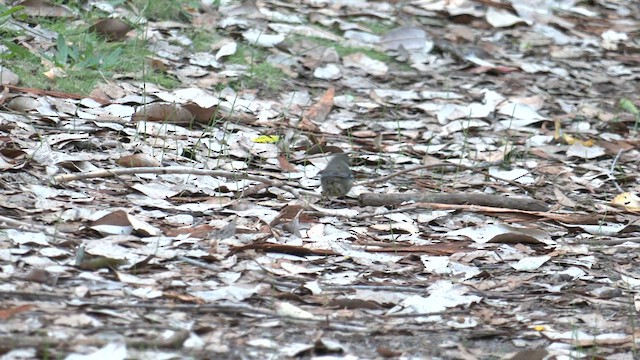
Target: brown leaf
<point>106,92</point>
<point>159,66</point>
<point>386,352</point>
<point>5,314</point>
<point>112,29</point>
<point>323,149</point>
<point>138,160</point>
<point>117,218</point>
<point>170,113</point>
<point>174,295</point>
<point>318,112</point>
<point>46,9</point>
<point>308,125</point>
<point>41,276</point>
<point>354,304</point>
<point>286,214</point>
<point>285,165</point>
<point>120,222</point>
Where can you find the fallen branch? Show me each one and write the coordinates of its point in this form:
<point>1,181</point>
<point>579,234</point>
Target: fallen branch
<point>497,201</point>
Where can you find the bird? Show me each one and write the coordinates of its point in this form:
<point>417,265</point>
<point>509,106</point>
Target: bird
<point>336,178</point>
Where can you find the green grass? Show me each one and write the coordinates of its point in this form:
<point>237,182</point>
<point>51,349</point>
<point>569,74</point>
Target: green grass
<point>260,74</point>
<point>202,40</point>
<point>85,58</point>
<point>379,27</point>
<point>264,76</point>
<point>244,55</point>
<point>344,50</point>
<point>158,10</point>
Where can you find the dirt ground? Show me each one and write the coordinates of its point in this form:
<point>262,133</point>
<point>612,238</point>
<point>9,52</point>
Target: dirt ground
<point>494,147</point>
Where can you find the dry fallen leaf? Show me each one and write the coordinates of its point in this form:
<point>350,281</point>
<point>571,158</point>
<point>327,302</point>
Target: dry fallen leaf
<point>138,160</point>
<point>113,29</point>
<point>46,9</point>
<point>629,201</point>
<point>170,113</point>
<point>229,236</point>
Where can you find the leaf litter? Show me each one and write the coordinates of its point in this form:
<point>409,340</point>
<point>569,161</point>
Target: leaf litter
<point>492,217</point>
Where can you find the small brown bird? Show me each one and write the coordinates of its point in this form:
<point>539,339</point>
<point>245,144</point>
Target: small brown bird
<point>336,179</point>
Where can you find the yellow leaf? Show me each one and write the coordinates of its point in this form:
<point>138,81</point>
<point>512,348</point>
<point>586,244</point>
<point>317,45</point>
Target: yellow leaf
<point>267,139</point>
<point>564,138</point>
<point>557,129</point>
<point>629,201</point>
<point>568,139</point>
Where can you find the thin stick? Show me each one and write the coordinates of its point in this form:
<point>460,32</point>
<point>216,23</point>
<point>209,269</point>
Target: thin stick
<point>182,170</point>
<point>611,169</point>
<point>9,223</point>
<point>477,169</point>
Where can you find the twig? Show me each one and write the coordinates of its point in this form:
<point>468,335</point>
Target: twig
<point>182,170</point>
<point>611,169</point>
<point>477,169</point>
<point>341,288</point>
<point>9,223</point>
<point>57,94</point>
<point>199,263</point>
<point>17,224</point>
<point>609,241</point>
<point>18,341</point>
<point>489,200</point>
